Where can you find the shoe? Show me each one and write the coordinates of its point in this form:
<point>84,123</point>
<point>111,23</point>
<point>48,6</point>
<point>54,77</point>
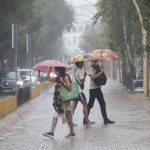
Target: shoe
<point>49,134</point>
<point>89,123</point>
<point>70,135</point>
<point>75,125</point>
<point>64,120</point>
<point>84,122</point>
<point>108,121</point>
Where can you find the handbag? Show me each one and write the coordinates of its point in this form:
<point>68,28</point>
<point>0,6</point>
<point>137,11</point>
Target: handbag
<point>69,95</point>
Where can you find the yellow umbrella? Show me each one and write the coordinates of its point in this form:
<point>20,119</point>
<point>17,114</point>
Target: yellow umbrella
<point>81,57</point>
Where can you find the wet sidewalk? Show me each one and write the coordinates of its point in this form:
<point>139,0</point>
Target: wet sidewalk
<point>23,129</point>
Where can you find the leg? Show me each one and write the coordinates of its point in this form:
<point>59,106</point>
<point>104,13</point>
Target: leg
<point>70,123</point>
<point>83,101</point>
<point>85,110</point>
<point>103,107</point>
<point>68,111</point>
<point>53,126</point>
<point>102,103</point>
<point>74,105</point>
<point>92,97</point>
<point>54,123</point>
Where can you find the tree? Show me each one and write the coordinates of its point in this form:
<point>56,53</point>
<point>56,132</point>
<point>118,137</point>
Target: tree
<point>144,44</point>
<point>44,20</point>
<point>124,26</point>
<point>56,16</point>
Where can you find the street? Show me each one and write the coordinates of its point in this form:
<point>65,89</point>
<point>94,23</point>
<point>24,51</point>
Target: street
<point>24,128</point>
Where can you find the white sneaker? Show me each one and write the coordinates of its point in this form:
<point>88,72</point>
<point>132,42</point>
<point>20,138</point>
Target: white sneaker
<point>89,123</point>
<point>49,134</point>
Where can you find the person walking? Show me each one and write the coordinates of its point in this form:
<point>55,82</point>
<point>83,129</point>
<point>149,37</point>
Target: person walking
<point>96,92</point>
<point>80,75</point>
<point>59,107</point>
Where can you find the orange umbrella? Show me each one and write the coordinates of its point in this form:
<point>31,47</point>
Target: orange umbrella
<point>105,54</point>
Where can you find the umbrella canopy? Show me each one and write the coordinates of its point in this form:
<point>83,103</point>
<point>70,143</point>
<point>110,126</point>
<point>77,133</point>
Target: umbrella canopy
<point>81,57</point>
<point>105,54</point>
<point>50,64</point>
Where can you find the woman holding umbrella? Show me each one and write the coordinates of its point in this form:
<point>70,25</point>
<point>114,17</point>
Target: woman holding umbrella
<point>61,79</point>
<point>59,107</point>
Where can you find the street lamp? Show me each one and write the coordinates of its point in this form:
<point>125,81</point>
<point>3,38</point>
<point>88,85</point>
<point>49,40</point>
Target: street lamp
<point>15,48</point>
<point>28,48</point>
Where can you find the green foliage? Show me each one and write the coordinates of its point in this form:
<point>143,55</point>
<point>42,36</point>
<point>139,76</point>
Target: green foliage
<point>45,20</point>
<point>112,13</point>
<point>109,11</point>
<point>56,17</point>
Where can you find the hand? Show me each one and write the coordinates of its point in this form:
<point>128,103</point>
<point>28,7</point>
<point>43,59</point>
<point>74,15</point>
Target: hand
<point>49,69</point>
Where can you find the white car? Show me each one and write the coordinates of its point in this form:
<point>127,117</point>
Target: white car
<point>29,76</point>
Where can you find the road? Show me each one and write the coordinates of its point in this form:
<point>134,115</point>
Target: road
<point>23,129</point>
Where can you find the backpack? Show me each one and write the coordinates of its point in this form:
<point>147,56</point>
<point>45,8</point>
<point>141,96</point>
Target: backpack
<point>102,79</point>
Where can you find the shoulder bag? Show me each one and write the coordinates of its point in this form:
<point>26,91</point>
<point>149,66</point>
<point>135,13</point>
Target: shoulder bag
<point>68,95</point>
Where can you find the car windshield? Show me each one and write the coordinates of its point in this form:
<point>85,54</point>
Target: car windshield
<point>9,75</point>
<point>27,73</point>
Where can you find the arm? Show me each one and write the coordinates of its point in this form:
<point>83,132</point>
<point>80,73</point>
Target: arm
<point>82,81</point>
<point>98,74</point>
<point>81,77</point>
<point>94,76</point>
<point>66,83</point>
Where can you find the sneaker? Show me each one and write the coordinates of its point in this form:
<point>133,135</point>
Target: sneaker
<point>70,135</point>
<point>89,123</point>
<point>108,121</point>
<point>75,125</point>
<point>49,134</point>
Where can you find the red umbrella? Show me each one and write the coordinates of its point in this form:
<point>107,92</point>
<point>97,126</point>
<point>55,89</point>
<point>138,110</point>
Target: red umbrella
<point>46,65</point>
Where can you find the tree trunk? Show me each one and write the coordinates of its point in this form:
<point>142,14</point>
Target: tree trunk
<point>145,54</point>
<point>126,41</point>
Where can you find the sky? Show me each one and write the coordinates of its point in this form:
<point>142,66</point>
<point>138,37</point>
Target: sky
<point>76,2</point>
<point>84,9</point>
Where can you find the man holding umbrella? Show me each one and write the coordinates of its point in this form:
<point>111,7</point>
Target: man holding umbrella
<point>95,91</point>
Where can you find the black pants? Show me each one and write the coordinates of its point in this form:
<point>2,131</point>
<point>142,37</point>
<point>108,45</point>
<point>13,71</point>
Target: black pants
<point>97,93</point>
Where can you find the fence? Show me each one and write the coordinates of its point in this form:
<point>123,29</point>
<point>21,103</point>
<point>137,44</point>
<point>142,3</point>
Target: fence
<point>10,103</point>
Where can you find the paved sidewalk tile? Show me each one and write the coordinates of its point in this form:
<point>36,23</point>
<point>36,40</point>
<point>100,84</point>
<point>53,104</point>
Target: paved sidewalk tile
<point>24,128</point>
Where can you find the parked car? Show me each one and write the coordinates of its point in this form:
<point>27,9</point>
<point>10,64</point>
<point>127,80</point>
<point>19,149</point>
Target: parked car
<point>28,75</point>
<point>9,82</point>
